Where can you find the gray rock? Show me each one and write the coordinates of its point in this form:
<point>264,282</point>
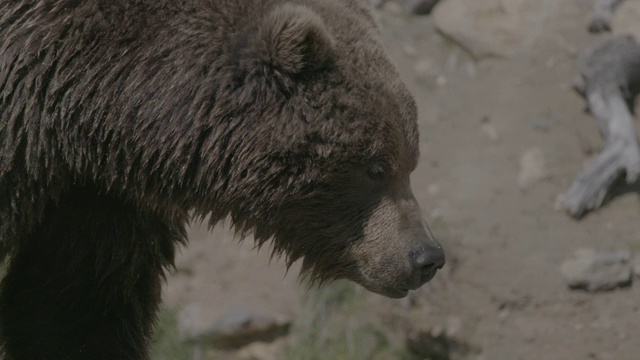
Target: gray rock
<point>235,328</point>
<point>532,167</point>
<point>490,131</point>
<point>540,124</point>
<point>491,28</point>
<point>597,271</point>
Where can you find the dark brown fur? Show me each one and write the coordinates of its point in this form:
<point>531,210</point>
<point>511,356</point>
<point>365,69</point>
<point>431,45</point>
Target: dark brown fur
<point>117,118</point>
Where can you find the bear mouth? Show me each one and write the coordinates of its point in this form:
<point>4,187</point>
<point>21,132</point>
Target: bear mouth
<point>428,276</point>
<point>402,291</point>
<point>394,293</point>
<point>399,289</point>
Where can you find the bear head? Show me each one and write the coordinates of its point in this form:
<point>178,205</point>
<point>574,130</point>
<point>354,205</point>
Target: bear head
<point>330,139</point>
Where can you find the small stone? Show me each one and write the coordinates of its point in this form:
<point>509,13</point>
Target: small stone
<point>410,50</point>
<point>597,271</point>
<point>424,71</point>
<point>558,203</point>
<point>540,124</point>
<point>441,80</point>
<point>551,62</point>
<point>532,167</point>
<point>490,131</point>
<point>503,315</point>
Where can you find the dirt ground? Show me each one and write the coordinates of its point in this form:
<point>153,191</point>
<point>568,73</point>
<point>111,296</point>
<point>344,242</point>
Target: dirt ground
<point>502,287</point>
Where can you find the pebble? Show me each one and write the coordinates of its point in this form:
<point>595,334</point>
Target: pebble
<point>490,28</point>
<point>593,271</point>
<point>490,131</point>
<point>410,50</point>
<point>441,80</point>
<point>503,315</point>
<point>532,167</point>
<point>424,70</point>
<point>540,124</point>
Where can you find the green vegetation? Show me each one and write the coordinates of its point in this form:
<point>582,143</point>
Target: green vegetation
<point>332,325</point>
<point>167,344</point>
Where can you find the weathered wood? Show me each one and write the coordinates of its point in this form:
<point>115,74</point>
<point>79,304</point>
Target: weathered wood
<point>602,14</point>
<point>610,75</point>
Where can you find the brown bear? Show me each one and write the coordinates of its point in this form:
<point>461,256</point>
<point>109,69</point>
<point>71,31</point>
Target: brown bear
<point>122,119</point>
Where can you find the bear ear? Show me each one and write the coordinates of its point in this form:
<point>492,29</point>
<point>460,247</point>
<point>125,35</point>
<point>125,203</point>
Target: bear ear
<point>293,39</point>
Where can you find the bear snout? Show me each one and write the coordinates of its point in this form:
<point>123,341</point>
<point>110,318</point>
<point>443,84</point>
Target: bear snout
<point>425,261</point>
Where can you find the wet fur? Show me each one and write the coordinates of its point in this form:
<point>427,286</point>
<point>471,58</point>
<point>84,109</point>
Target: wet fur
<point>118,118</point>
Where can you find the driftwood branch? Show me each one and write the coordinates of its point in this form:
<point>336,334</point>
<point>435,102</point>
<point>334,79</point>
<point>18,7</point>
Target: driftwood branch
<point>609,81</point>
<point>602,15</point>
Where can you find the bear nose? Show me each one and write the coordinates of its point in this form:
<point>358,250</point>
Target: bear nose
<point>425,261</point>
<point>427,257</point>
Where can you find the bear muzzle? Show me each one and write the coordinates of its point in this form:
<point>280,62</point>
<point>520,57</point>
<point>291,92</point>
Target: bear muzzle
<point>425,261</point>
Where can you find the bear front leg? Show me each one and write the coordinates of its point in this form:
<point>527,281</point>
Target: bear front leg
<point>86,283</point>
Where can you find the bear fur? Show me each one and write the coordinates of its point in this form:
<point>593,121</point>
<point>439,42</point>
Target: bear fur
<point>122,119</point>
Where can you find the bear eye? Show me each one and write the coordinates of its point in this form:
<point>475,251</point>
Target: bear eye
<point>376,172</point>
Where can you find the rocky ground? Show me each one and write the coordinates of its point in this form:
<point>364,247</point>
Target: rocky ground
<point>503,135</point>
